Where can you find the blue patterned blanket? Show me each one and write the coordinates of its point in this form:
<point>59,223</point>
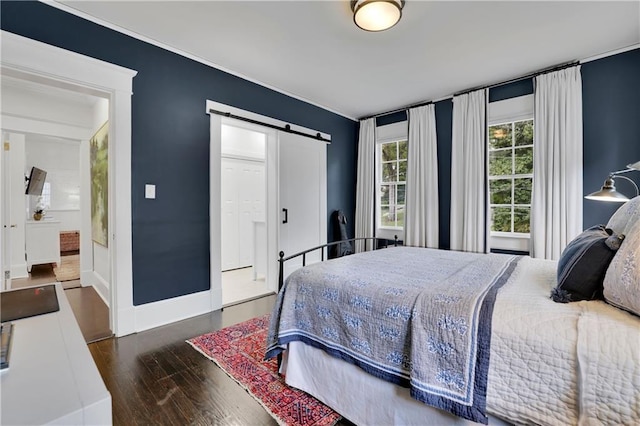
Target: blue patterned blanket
<point>419,318</point>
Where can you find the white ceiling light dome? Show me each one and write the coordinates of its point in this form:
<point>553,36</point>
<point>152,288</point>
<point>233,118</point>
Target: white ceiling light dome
<point>377,15</point>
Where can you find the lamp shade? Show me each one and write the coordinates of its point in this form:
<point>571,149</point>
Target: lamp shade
<point>377,15</point>
<point>634,166</point>
<point>607,193</point>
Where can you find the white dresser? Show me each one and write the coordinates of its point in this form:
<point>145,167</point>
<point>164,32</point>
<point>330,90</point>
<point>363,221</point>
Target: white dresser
<point>52,378</point>
<point>42,242</point>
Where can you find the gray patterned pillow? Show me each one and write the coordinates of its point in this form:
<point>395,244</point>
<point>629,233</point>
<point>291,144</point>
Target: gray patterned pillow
<point>625,217</point>
<point>622,280</point>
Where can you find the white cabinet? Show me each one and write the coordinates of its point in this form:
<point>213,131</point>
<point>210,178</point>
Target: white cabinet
<point>42,242</point>
<point>52,378</point>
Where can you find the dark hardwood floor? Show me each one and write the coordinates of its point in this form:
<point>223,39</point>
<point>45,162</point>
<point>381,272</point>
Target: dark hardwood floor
<point>91,313</point>
<point>155,377</point>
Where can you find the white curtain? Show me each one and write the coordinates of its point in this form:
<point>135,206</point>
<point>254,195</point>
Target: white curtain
<point>556,201</point>
<point>365,182</point>
<point>469,230</point>
<point>421,196</point>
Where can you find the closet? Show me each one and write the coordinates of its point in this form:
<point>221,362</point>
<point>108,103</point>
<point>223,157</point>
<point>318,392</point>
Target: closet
<point>243,189</point>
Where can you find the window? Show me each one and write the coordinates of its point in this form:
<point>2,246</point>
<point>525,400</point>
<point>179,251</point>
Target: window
<point>510,176</point>
<point>45,197</point>
<point>391,179</point>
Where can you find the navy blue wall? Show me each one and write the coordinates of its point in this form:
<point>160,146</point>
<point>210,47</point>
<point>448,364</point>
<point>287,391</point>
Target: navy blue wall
<point>444,127</point>
<point>511,90</point>
<point>611,127</point>
<point>170,143</point>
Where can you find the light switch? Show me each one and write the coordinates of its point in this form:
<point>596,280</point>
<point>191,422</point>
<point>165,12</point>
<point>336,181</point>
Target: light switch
<point>149,191</point>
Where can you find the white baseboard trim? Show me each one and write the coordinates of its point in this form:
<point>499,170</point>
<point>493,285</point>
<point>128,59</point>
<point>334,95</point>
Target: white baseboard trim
<point>151,315</point>
<point>92,279</point>
<point>102,288</point>
<point>126,321</point>
<point>86,278</point>
<point>19,271</point>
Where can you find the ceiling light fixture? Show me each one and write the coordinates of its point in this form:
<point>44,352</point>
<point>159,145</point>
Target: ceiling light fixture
<point>376,15</point>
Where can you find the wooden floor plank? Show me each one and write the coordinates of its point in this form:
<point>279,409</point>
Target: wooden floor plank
<point>155,377</point>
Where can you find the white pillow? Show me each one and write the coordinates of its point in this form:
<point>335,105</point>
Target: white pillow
<point>622,280</point>
<point>625,217</point>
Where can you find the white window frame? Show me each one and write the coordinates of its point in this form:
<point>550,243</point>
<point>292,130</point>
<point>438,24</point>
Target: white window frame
<point>395,132</point>
<point>46,195</point>
<point>502,112</point>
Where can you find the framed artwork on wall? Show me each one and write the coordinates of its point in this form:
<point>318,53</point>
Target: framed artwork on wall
<point>99,163</point>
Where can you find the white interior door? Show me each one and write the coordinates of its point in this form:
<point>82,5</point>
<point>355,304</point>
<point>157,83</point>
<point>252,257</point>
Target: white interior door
<point>251,197</point>
<point>229,215</point>
<point>243,202</point>
<point>302,197</point>
<point>14,206</point>
<point>5,208</point>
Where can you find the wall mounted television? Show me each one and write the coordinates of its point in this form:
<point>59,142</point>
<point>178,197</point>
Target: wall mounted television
<point>35,181</point>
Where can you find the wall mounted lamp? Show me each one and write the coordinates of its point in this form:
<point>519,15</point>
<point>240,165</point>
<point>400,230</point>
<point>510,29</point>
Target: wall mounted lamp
<point>608,191</point>
<point>376,15</point>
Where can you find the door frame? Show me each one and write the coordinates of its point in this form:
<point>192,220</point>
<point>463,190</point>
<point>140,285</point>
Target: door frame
<point>215,188</point>
<point>30,60</point>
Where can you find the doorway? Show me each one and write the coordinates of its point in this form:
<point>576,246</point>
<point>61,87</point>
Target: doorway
<point>49,218</point>
<point>49,130</point>
<point>31,61</point>
<point>295,200</point>
<point>243,212</point>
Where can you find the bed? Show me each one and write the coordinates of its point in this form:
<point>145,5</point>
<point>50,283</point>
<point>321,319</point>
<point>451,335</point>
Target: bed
<point>527,359</point>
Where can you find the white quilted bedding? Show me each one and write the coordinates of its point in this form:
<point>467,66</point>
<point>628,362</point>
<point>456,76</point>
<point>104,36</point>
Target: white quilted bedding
<point>559,364</point>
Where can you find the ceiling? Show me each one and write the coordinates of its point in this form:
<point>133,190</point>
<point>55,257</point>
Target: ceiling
<point>313,51</point>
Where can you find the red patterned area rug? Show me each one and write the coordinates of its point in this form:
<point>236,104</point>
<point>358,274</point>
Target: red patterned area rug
<point>239,351</point>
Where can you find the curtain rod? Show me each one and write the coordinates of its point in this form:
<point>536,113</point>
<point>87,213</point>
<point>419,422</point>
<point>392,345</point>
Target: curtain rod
<point>287,128</point>
<point>399,109</point>
<point>489,86</point>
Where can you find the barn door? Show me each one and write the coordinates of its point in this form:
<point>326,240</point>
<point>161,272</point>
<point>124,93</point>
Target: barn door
<point>302,196</point>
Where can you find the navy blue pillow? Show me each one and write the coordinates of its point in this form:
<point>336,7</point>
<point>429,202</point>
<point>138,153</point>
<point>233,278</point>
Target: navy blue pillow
<point>584,263</point>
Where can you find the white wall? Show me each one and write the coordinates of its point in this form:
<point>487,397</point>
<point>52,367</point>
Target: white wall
<point>43,105</point>
<point>239,142</point>
<point>60,158</point>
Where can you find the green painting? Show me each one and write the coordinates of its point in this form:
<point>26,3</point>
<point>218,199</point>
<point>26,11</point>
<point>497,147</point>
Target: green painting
<point>99,159</point>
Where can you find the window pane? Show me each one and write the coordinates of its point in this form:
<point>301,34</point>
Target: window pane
<point>522,191</point>
<point>400,216</point>
<point>402,150</point>
<point>501,219</point>
<point>389,172</point>
<point>387,218</point>
<point>521,218</point>
<point>393,195</point>
<point>389,151</point>
<point>524,160</point>
<point>402,171</point>
<point>500,136</point>
<point>500,191</point>
<point>384,194</point>
<point>500,163</point>
<point>401,189</point>
<point>524,133</point>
